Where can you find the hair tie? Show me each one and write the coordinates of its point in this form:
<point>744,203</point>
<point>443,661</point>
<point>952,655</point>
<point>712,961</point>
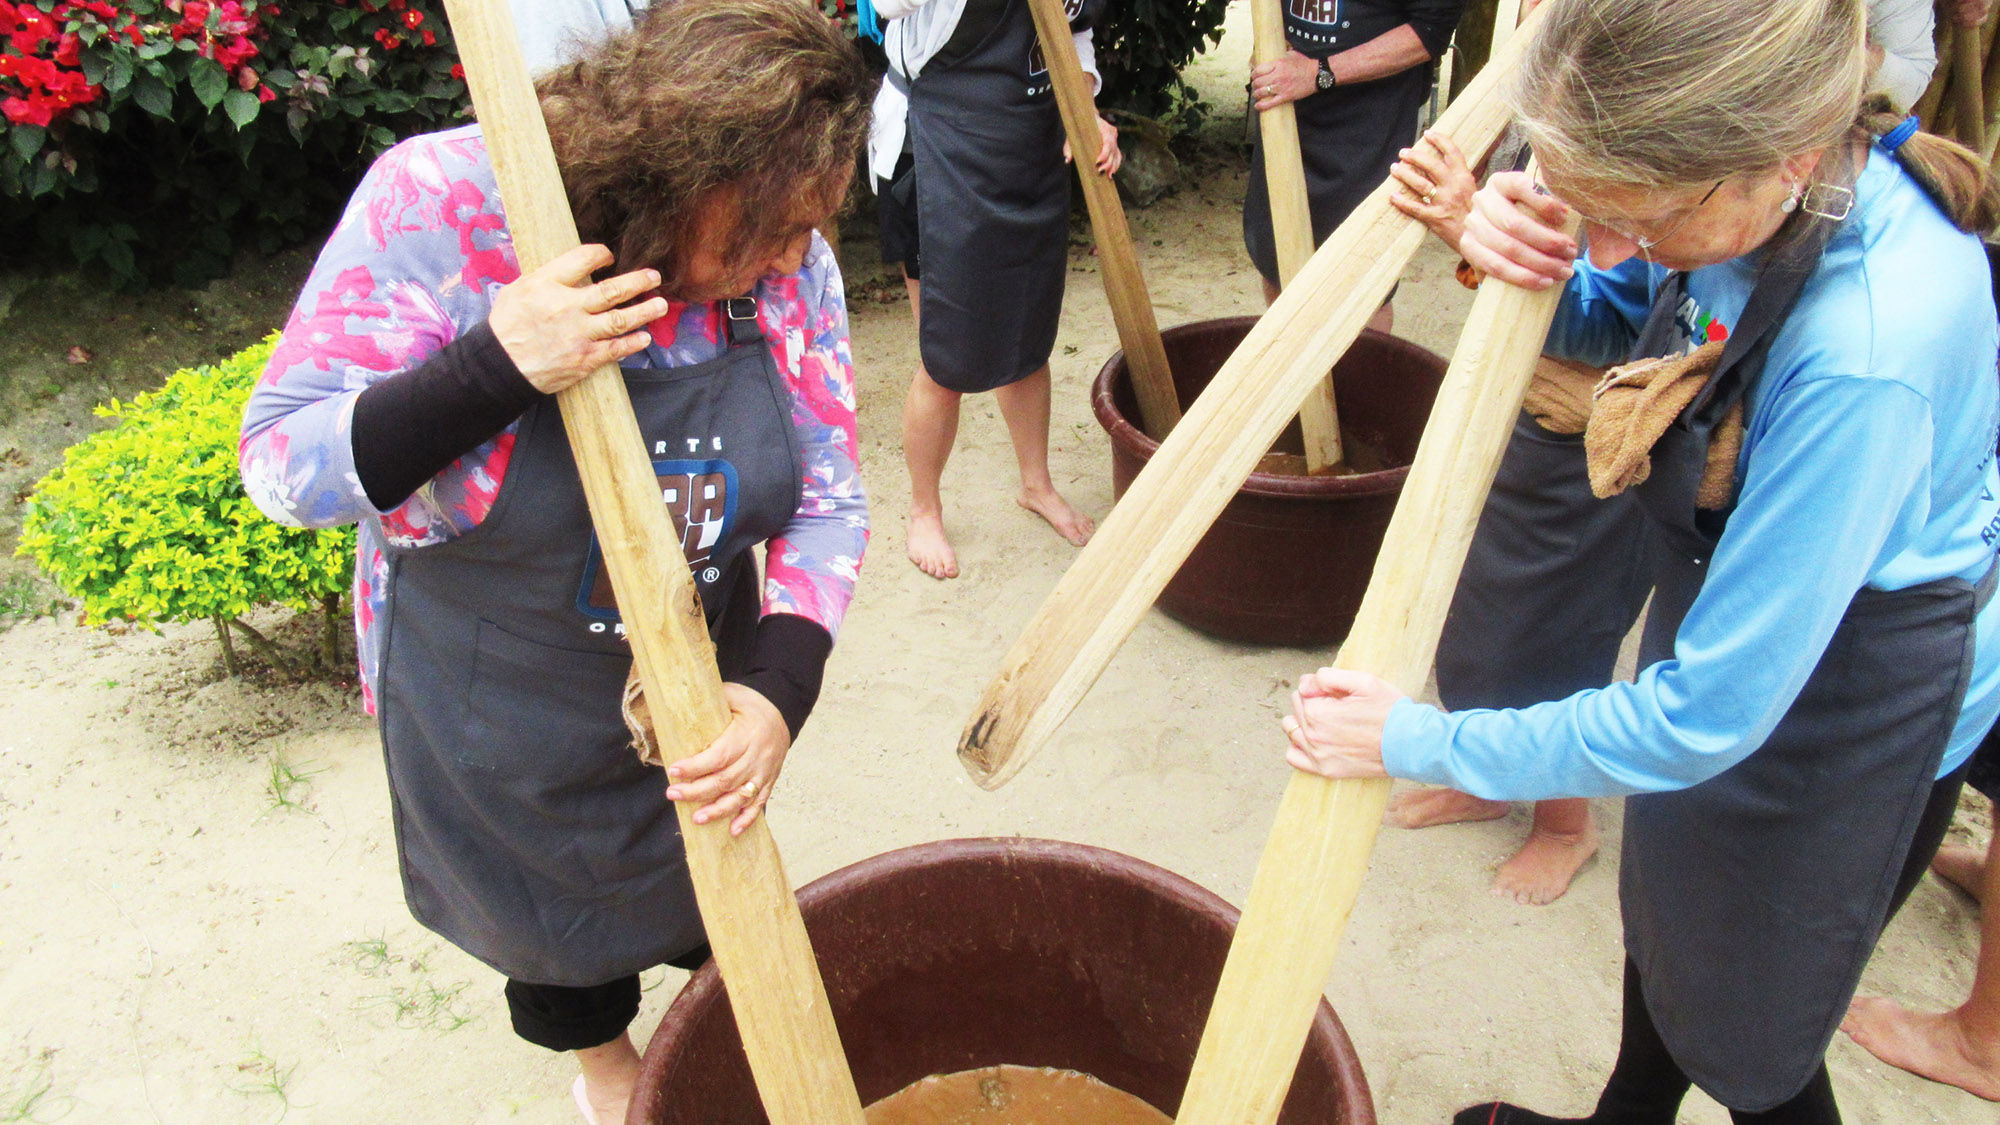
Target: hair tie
<point>1894,138</point>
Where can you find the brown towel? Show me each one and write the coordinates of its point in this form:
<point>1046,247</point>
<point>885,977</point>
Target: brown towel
<point>1621,413</point>
<point>639,721</point>
<point>1636,402</point>
<point>1559,396</point>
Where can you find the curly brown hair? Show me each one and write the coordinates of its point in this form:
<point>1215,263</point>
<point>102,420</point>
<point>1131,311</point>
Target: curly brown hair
<point>762,97</point>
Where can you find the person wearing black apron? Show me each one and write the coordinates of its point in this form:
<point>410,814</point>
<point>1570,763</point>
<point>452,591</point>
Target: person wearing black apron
<point>1822,653</point>
<point>1357,72</point>
<point>977,210</point>
<point>413,394</point>
<point>1540,469</point>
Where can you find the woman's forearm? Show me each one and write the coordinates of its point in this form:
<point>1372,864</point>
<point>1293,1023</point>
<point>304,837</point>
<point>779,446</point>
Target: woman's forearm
<point>1392,52</point>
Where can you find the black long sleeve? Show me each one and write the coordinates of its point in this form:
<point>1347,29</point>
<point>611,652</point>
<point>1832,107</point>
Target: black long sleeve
<point>786,665</point>
<point>412,425</point>
<point>1434,21</point>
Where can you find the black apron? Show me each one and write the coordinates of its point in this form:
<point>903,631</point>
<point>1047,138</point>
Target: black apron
<point>1349,135</point>
<point>992,203</point>
<point>1753,900</point>
<point>530,834</point>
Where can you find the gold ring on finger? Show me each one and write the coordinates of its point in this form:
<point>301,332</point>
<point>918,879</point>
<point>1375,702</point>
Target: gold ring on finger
<point>1430,195</point>
<point>750,788</point>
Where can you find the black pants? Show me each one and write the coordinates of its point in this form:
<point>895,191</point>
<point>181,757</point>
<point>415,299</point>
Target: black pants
<point>562,1018</point>
<point>1646,1085</point>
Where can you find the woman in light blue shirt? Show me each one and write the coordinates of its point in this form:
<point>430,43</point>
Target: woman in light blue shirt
<point>1820,658</point>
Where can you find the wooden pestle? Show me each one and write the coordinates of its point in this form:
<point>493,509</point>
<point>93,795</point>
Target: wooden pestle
<point>1291,226</point>
<point>746,902</point>
<point>1313,863</point>
<point>1124,284</point>
<point>1196,471</point>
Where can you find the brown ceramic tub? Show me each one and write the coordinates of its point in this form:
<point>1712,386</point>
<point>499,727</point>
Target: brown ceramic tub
<point>971,953</point>
<point>1289,558</point>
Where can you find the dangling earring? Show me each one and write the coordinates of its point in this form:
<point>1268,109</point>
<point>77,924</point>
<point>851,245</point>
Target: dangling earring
<point>1791,202</point>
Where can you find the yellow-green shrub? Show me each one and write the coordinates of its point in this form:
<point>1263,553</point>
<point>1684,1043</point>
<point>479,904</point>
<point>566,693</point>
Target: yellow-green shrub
<point>147,521</point>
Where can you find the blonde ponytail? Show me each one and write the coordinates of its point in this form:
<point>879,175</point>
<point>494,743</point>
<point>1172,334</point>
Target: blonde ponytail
<point>1961,183</point>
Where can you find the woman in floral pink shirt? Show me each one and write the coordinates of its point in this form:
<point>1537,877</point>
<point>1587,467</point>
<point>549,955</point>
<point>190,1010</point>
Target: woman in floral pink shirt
<point>412,394</point>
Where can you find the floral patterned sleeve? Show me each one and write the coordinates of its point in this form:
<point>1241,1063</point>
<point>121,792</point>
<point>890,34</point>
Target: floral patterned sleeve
<point>414,263</point>
<point>810,567</point>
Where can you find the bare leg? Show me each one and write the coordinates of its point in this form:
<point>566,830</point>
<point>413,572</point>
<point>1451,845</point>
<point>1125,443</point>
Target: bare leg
<point>1963,867</point>
<point>1025,406</point>
<point>1961,1047</point>
<point>930,426</point>
<point>609,1074</point>
<point>1563,839</point>
<point>1428,808</point>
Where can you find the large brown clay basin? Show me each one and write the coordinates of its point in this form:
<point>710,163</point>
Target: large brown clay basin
<point>972,953</point>
<point>1289,558</point>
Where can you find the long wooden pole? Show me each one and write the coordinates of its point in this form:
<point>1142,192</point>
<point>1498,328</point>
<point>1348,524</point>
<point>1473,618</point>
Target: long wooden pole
<point>1506,18</point>
<point>1172,502</point>
<point>746,902</point>
<point>1967,67</point>
<point>1124,284</point>
<point>1312,866</point>
<point>1291,224</point>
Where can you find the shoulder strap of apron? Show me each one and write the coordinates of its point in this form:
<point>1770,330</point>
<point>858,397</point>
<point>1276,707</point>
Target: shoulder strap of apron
<point>739,319</point>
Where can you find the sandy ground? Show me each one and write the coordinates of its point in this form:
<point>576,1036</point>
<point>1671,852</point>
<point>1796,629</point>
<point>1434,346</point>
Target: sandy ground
<point>201,922</point>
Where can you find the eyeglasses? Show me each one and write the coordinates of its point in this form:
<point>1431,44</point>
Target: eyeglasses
<point>1645,243</point>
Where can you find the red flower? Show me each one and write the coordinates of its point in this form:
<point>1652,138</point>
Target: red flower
<point>21,111</point>
<point>265,93</point>
<point>233,53</point>
<point>32,29</point>
<point>133,33</point>
<point>458,71</point>
<point>430,40</point>
<point>388,41</point>
<point>32,72</point>
<point>66,50</point>
<point>413,19</point>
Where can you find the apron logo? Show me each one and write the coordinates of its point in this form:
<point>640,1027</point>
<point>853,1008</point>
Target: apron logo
<point>1696,326</point>
<point>1314,11</point>
<point>700,497</point>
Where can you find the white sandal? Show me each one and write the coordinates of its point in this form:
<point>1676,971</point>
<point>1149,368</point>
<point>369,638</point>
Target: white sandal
<point>583,1102</point>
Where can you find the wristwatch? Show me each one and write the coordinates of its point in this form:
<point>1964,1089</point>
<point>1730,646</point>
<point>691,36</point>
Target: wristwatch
<point>1325,77</point>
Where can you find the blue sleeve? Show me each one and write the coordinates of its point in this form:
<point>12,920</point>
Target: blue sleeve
<point>1838,482</point>
<point>1602,311</point>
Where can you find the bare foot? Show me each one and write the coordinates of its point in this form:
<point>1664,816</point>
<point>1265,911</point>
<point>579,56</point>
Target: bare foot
<point>600,1105</point>
<point>1049,504</point>
<point>1962,867</point>
<point>1541,871</point>
<point>1932,1045</point>
<point>929,548</point>
<point>1428,808</point>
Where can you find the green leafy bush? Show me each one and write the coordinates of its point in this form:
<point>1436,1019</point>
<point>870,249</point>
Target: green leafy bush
<point>147,521</point>
<point>152,139</point>
<point>1142,45</point>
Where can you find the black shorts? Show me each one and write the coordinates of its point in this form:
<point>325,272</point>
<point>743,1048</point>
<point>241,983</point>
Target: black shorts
<point>896,216</point>
<point>562,1018</point>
